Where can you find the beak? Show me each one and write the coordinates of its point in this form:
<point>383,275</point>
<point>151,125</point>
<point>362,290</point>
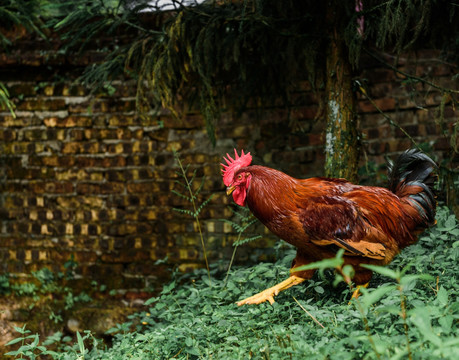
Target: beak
<point>230,189</point>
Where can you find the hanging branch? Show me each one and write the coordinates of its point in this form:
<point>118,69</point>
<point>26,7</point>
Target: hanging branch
<point>410,76</point>
<point>387,117</point>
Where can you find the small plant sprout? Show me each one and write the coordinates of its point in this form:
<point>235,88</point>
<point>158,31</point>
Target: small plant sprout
<point>191,196</point>
<point>244,220</point>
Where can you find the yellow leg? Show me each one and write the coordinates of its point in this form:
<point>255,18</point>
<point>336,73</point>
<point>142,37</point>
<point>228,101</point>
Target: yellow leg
<point>268,294</point>
<point>356,292</point>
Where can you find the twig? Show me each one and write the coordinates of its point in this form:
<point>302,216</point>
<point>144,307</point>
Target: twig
<point>405,324</point>
<point>307,312</point>
<point>367,327</point>
<point>410,75</point>
<point>231,261</point>
<point>387,117</point>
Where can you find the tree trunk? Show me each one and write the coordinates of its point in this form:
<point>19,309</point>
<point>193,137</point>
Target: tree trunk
<point>341,135</point>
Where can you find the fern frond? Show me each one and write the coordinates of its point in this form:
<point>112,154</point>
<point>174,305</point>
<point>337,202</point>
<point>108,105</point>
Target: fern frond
<point>246,240</point>
<point>183,196</point>
<point>204,203</point>
<point>234,225</point>
<point>200,187</point>
<point>249,224</point>
<point>185,211</point>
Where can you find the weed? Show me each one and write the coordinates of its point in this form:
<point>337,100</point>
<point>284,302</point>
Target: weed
<point>29,345</point>
<point>192,197</point>
<point>5,286</point>
<point>244,220</point>
<point>44,283</point>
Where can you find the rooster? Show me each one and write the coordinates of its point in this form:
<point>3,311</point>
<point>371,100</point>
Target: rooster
<point>319,216</point>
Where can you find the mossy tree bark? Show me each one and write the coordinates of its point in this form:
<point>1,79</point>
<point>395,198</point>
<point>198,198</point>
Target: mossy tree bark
<point>341,134</point>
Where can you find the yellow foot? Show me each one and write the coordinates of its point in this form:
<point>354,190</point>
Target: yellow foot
<point>268,294</point>
<point>356,292</point>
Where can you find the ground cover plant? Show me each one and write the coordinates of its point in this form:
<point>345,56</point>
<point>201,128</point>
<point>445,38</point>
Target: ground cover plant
<point>410,311</point>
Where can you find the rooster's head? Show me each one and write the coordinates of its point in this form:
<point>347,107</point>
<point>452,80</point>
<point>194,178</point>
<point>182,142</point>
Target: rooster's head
<point>237,182</point>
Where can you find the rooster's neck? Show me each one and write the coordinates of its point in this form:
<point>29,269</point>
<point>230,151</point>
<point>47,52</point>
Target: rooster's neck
<point>270,195</point>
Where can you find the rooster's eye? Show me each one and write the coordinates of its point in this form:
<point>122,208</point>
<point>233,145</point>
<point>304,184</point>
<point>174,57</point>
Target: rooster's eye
<point>239,177</point>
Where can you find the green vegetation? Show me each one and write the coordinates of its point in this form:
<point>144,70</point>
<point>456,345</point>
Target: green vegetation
<point>410,311</point>
<point>244,219</point>
<point>14,14</point>
<point>47,293</point>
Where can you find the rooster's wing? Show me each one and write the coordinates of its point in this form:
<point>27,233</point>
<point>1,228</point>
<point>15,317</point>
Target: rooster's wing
<point>336,220</point>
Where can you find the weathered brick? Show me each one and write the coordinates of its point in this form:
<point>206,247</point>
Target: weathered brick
<point>51,187</point>
<point>68,122</point>
<point>94,188</point>
<point>383,104</point>
<point>190,122</point>
<point>144,187</point>
<point>81,147</point>
<point>128,256</point>
<point>41,104</point>
<point>22,89</point>
<point>412,130</point>
<point>23,119</point>
<point>123,121</point>
<point>7,135</point>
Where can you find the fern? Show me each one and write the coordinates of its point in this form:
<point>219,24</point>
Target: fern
<point>245,220</point>
<point>20,13</point>
<point>191,197</point>
<point>246,240</point>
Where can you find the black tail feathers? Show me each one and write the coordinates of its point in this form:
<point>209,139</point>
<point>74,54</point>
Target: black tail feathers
<point>414,175</point>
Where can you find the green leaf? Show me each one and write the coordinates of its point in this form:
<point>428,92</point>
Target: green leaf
<point>319,289</point>
<point>392,309</point>
<point>12,353</point>
<point>451,222</point>
<point>382,270</point>
<point>442,296</point>
<point>409,278</point>
<point>193,351</point>
<point>246,240</point>
<point>168,288</point>
<point>150,301</point>
<point>332,263</point>
<point>446,322</point>
<point>189,342</point>
<point>14,341</point>
<point>5,102</point>
<point>21,330</point>
<point>36,339</point>
<point>421,320</point>
<point>80,343</point>
<point>370,297</point>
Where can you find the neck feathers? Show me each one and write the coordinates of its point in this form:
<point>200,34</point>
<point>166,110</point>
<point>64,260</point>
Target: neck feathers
<point>271,193</point>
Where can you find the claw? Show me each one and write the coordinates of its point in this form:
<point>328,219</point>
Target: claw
<point>268,294</point>
<point>356,292</point>
<point>258,298</point>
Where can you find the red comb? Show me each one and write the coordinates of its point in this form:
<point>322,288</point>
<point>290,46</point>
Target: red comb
<point>234,165</point>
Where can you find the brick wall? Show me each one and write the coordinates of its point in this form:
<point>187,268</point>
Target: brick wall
<point>413,106</point>
<point>84,177</point>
